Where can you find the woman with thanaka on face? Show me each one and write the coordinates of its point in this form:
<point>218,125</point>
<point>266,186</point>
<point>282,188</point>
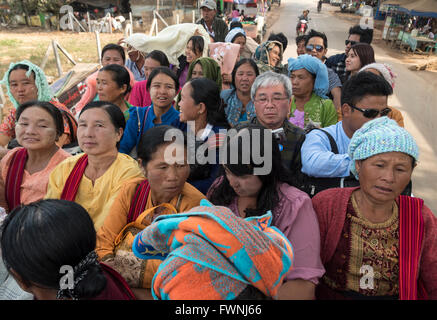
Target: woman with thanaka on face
<point>93,179</point>
<point>251,189</point>
<point>164,183</point>
<point>111,54</point>
<point>239,106</point>
<point>201,104</point>
<point>39,239</point>
<point>140,96</point>
<point>113,84</point>
<point>163,86</point>
<point>373,227</point>
<point>25,170</point>
<point>26,82</point>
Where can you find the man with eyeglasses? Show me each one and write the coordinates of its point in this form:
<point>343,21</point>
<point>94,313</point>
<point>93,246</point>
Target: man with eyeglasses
<point>271,95</point>
<point>356,35</point>
<point>316,44</point>
<point>364,97</point>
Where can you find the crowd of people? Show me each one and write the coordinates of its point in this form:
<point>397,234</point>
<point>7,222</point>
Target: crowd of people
<point>137,212</point>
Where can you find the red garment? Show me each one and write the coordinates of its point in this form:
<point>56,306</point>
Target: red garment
<point>116,286</point>
<point>139,96</point>
<point>331,206</point>
<point>73,181</point>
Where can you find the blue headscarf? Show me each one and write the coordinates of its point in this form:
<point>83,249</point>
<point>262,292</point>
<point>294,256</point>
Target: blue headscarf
<point>314,66</point>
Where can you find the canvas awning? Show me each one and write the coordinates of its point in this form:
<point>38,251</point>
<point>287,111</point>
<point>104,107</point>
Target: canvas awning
<point>423,8</point>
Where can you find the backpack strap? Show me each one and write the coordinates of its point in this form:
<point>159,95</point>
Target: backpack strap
<point>332,142</point>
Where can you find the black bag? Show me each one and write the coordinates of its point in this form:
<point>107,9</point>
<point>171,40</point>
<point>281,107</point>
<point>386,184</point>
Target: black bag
<point>313,185</point>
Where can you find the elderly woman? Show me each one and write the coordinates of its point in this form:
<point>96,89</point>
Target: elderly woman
<point>113,84</point>
<point>310,106</point>
<point>42,238</point>
<point>385,71</point>
<point>25,82</point>
<point>198,268</point>
<point>25,170</point>
<point>111,54</point>
<point>94,179</point>
<point>165,183</point>
<point>268,57</point>
<point>250,186</point>
<point>239,105</point>
<point>376,243</point>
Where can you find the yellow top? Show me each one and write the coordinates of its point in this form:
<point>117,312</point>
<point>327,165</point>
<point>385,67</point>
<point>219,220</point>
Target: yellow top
<point>97,198</point>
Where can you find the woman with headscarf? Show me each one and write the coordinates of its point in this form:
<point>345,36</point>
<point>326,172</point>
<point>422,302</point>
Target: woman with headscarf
<point>212,254</point>
<point>268,57</point>
<point>310,107</point>
<point>202,67</point>
<point>237,36</point>
<point>375,242</point>
<point>25,82</point>
<point>385,71</point>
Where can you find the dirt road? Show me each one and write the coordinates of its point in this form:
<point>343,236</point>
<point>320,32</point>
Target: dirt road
<point>414,94</point>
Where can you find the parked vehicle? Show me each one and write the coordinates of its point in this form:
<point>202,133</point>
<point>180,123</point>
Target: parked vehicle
<point>303,26</point>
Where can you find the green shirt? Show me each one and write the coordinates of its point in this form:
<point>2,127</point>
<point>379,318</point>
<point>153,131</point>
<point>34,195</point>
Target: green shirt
<point>318,110</point>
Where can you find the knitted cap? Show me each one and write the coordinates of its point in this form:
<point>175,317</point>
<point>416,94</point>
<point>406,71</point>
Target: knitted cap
<point>379,136</point>
<point>385,70</point>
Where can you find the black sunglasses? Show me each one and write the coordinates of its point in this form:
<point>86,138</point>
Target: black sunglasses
<point>346,42</point>
<point>372,113</point>
<point>311,47</point>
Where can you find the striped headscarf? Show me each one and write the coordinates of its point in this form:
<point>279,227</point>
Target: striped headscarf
<point>212,254</point>
<point>44,92</point>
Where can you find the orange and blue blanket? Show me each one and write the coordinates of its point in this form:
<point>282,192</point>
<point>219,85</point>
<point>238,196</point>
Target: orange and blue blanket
<point>210,253</point>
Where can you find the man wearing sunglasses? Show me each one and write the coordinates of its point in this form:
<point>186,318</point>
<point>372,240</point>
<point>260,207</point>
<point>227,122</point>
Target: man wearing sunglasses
<point>364,97</point>
<point>356,35</point>
<point>316,44</point>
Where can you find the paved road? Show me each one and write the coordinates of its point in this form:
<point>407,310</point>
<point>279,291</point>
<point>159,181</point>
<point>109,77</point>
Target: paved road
<point>414,94</point>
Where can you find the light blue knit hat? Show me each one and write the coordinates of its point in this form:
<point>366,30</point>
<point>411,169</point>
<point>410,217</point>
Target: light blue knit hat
<point>379,136</point>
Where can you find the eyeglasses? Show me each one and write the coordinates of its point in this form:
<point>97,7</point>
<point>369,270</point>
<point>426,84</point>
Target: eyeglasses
<point>311,47</point>
<point>275,100</point>
<point>372,113</point>
<point>346,42</point>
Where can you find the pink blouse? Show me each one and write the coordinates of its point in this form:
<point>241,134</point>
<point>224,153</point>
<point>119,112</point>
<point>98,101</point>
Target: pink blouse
<point>295,217</point>
<point>34,186</point>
